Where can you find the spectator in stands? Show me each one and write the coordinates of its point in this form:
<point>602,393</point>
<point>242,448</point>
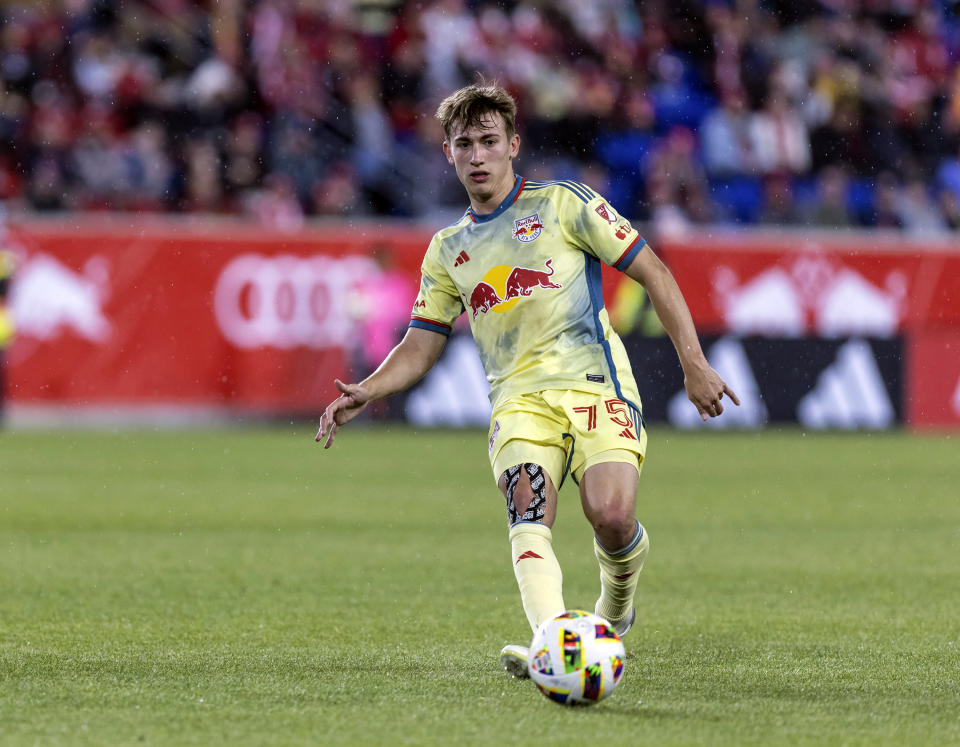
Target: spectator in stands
<point>47,142</point>
<point>373,147</point>
<point>678,191</point>
<point>779,138</point>
<point>425,183</point>
<point>728,146</point>
<point>276,205</point>
<point>298,150</point>
<point>841,140</point>
<point>46,182</point>
<point>948,175</point>
<point>917,210</point>
<point>679,177</point>
<point>204,188</point>
<point>950,209</point>
<point>728,29</point>
<point>624,144</point>
<point>338,192</point>
<point>830,208</point>
<point>402,87</point>
<point>243,168</point>
<point>96,163</point>
<point>148,169</point>
<point>779,205</point>
<point>885,212</point>
<point>452,43</point>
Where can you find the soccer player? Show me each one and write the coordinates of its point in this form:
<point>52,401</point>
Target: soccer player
<point>524,264</point>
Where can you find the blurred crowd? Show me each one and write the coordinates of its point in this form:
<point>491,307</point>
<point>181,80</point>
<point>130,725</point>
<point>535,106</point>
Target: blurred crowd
<point>830,113</point>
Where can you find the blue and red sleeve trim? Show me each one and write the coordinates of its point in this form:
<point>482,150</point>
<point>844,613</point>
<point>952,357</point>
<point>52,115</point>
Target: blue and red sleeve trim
<point>632,251</point>
<point>439,327</point>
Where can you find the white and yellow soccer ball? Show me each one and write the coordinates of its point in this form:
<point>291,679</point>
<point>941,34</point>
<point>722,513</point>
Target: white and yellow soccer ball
<point>576,658</point>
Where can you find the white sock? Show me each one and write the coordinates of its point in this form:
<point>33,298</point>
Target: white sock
<point>619,573</point>
<point>537,570</point>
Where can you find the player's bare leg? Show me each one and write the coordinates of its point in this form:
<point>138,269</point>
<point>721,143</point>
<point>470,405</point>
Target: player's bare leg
<point>532,508</point>
<point>608,494</point>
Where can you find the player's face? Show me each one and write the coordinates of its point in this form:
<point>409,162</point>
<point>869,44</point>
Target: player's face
<point>483,157</point>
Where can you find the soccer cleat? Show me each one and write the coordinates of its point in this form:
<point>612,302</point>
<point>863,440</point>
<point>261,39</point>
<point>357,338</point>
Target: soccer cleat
<point>621,626</point>
<point>514,659</point>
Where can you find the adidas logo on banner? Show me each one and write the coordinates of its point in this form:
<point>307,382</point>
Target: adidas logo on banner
<point>848,394</point>
<point>727,356</point>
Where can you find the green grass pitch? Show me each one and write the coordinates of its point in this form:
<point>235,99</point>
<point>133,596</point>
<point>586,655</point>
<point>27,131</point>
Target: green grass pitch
<point>246,587</point>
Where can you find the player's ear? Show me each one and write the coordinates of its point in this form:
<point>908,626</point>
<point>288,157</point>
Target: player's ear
<point>514,145</point>
<point>446,151</point>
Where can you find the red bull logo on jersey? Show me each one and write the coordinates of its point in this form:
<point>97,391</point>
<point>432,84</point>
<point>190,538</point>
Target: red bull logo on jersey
<point>522,280</point>
<point>527,229</point>
<point>483,298</point>
<point>503,286</point>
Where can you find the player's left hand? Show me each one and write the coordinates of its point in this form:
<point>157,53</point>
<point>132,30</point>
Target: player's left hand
<point>705,389</point>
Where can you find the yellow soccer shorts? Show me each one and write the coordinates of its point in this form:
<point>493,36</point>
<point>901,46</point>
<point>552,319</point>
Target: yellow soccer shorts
<point>565,432</point>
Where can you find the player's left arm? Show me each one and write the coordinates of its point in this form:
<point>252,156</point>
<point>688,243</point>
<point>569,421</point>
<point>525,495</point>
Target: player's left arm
<point>704,386</point>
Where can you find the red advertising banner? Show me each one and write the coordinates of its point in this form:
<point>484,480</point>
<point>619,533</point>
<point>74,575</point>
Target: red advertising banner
<point>795,285</point>
<point>202,314</point>
<point>933,379</point>
<point>144,312</point>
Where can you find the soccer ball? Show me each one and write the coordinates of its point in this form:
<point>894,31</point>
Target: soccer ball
<point>576,658</point>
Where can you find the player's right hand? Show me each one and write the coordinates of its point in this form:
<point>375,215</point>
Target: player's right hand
<point>342,410</point>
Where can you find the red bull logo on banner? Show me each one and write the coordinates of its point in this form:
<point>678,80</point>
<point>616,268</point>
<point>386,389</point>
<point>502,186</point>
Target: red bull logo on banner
<point>527,229</point>
<point>503,286</point>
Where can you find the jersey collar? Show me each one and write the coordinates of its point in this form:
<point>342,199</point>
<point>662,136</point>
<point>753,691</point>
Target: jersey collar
<point>507,202</point>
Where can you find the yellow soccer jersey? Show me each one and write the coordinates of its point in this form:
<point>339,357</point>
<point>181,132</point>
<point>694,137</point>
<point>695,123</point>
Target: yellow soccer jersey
<point>528,277</point>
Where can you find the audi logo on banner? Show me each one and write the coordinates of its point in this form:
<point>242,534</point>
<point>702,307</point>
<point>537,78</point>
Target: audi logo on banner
<point>286,301</point>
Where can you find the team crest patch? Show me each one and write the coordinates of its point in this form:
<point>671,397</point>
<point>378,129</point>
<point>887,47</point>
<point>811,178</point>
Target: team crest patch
<point>527,229</point>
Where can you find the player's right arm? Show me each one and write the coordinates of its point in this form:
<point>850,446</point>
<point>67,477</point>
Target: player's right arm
<point>404,366</point>
<point>437,306</point>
